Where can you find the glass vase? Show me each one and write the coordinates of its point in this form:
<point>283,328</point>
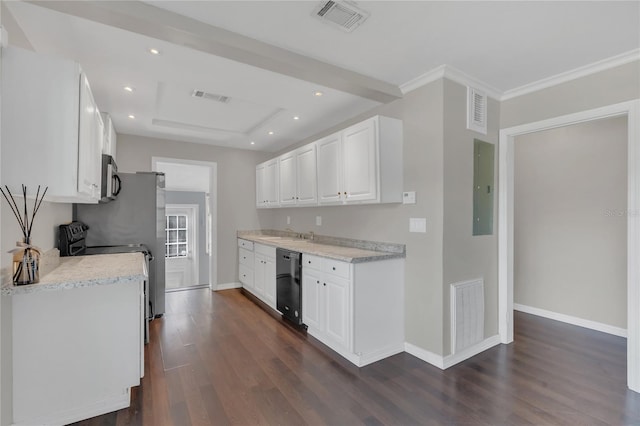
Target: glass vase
<point>26,264</point>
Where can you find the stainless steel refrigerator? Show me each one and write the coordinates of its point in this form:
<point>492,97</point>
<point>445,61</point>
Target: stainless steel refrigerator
<point>136,216</point>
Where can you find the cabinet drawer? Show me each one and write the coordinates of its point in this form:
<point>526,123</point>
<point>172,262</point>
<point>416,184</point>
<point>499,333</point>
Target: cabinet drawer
<point>245,257</point>
<point>310,261</point>
<point>265,250</point>
<point>246,275</point>
<point>336,267</point>
<point>245,244</point>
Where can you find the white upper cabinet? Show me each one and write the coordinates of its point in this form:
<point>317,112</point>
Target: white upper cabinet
<point>362,163</point>
<point>298,177</point>
<point>110,137</point>
<point>51,128</point>
<point>358,165</point>
<point>288,179</point>
<point>306,177</point>
<point>267,184</point>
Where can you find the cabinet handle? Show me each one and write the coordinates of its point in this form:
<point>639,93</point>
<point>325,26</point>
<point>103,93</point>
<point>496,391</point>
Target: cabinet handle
<point>325,284</point>
<point>334,268</point>
<point>309,262</point>
<point>338,194</point>
<point>317,281</point>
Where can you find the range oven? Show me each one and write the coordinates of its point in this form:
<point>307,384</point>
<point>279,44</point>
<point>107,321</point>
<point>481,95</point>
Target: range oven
<point>71,242</point>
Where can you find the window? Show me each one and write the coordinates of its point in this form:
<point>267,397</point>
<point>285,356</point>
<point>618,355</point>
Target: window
<point>176,236</point>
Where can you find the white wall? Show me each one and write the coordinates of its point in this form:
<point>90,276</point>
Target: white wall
<point>570,221</point>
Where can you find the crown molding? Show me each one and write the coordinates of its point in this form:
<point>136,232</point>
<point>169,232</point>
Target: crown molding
<point>605,64</point>
<point>424,79</point>
<point>453,74</point>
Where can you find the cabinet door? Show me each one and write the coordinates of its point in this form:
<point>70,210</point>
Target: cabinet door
<point>306,177</point>
<point>260,186</point>
<point>359,161</point>
<point>312,295</point>
<point>259,275</point>
<point>89,142</point>
<point>336,310</point>
<point>271,183</point>
<point>288,179</point>
<point>270,281</point>
<point>329,169</point>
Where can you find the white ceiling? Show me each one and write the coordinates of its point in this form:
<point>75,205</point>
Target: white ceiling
<point>273,77</point>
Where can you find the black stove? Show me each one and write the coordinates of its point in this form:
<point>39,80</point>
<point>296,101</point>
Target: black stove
<point>72,237</point>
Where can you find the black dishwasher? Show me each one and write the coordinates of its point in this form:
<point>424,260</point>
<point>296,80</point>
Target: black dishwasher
<point>288,284</point>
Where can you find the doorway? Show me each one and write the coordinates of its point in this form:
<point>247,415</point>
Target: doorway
<point>506,219</point>
<point>181,243</point>
<point>193,183</point>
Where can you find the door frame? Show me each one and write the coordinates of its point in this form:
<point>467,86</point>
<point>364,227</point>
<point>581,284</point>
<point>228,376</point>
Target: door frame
<point>192,236</point>
<point>506,173</point>
<point>213,210</point>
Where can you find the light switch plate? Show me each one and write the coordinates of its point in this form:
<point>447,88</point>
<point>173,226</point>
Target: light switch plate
<point>318,220</point>
<point>418,224</point>
<point>409,197</point>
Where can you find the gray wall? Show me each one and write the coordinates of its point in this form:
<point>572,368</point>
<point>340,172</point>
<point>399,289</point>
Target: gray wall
<point>466,257</point>
<point>570,220</point>
<point>608,87</point>
<point>236,207</point>
<point>422,114</point>
<point>199,198</point>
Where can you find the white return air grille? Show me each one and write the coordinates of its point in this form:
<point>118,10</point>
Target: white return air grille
<point>340,14</point>
<point>467,314</point>
<point>476,110</point>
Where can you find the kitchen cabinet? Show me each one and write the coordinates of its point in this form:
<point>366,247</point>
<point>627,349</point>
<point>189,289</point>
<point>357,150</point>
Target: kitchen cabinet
<point>257,270</point>
<point>298,177</point>
<point>362,163</point>
<point>265,274</point>
<point>51,127</point>
<point>110,138</point>
<point>354,308</point>
<point>245,264</point>
<point>267,184</point>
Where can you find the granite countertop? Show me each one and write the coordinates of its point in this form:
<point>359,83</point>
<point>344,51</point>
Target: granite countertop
<point>85,271</point>
<point>343,249</point>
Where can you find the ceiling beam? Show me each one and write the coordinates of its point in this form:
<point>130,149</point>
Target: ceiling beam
<point>151,21</point>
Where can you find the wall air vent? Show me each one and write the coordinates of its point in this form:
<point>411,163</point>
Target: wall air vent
<point>211,96</point>
<point>476,110</point>
<point>341,14</point>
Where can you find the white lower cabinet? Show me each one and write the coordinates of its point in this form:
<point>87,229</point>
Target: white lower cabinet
<point>257,270</point>
<point>357,309</point>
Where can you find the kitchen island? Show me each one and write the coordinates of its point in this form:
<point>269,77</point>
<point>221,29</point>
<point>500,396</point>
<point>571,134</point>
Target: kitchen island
<point>77,339</point>
<point>352,291</point>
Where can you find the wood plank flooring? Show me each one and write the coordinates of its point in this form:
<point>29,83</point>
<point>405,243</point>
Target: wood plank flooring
<point>218,359</point>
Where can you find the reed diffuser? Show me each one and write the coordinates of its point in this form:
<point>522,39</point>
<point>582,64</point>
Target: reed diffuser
<point>26,258</point>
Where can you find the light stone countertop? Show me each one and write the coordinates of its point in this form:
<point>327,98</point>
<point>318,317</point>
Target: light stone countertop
<point>85,271</point>
<point>345,250</point>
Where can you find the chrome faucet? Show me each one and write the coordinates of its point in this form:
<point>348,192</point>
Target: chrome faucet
<point>297,234</point>
<point>311,236</point>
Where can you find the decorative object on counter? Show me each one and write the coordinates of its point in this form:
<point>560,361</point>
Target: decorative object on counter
<point>26,258</point>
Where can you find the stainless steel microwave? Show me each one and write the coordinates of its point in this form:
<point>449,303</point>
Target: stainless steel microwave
<point>111,183</point>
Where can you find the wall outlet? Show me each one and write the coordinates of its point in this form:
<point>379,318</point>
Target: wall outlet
<point>288,220</point>
<point>318,220</point>
<point>409,197</point>
<point>418,224</point>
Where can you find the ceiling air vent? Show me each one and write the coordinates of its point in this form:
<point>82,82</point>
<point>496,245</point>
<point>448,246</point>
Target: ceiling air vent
<point>211,96</point>
<point>343,15</point>
<point>476,110</point>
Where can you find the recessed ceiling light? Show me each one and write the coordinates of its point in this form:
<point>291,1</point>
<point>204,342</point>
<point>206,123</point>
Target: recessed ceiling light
<point>154,51</point>
<point>129,88</point>
<point>270,132</point>
<point>296,118</point>
<point>318,93</point>
<point>253,143</point>
<point>131,116</point>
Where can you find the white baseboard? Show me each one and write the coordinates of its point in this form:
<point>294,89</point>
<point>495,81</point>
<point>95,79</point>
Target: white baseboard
<point>450,360</point>
<point>228,286</point>
<point>379,354</point>
<point>425,355</point>
<point>466,353</point>
<point>593,325</point>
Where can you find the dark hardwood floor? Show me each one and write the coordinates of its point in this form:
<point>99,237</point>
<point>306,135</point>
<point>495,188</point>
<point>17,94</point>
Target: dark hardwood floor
<point>218,359</point>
